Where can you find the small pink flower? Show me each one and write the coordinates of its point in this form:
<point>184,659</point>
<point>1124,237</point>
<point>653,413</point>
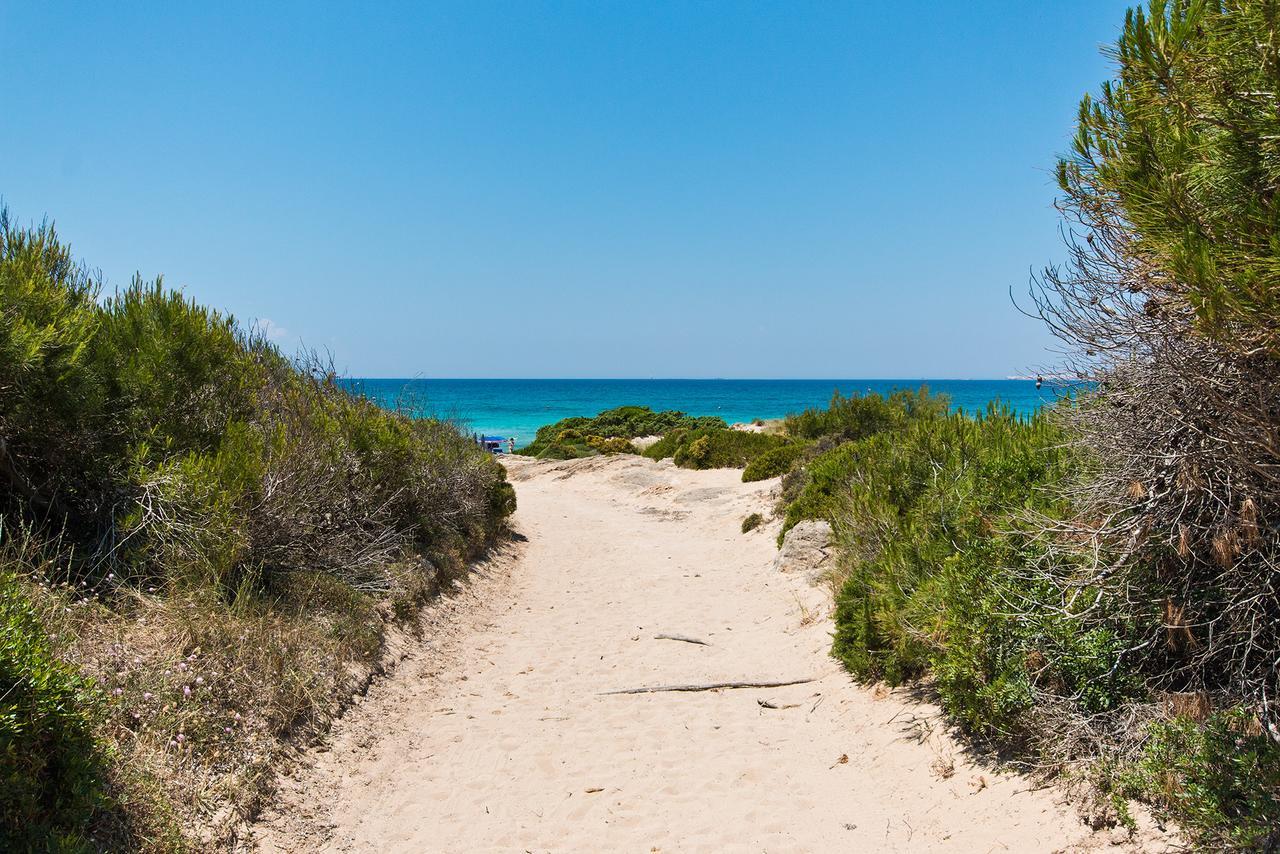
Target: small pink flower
<point>199,680</point>
<point>181,738</point>
<point>186,690</point>
<point>117,692</point>
<point>146,695</point>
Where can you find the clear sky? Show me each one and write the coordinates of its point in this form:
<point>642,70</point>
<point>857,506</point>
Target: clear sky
<point>598,189</point>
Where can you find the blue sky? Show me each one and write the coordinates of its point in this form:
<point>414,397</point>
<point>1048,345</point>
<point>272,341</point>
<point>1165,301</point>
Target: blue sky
<point>604,189</point>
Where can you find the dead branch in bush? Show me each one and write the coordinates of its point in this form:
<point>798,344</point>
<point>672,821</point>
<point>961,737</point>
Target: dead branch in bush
<point>1174,526</point>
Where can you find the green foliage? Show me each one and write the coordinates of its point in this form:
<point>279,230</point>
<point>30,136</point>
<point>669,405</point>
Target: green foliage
<point>151,430</point>
<point>712,448</point>
<point>932,555</point>
<point>570,437</point>
<point>751,522</point>
<point>176,372</point>
<point>774,463</point>
<point>834,436</point>
<point>1222,777</point>
<point>51,776</point>
<point>940,578</point>
<point>820,492</point>
<point>1184,142</point>
<point>191,529</point>
<point>615,445</point>
<point>848,419</point>
<point>51,399</point>
<point>162,446</point>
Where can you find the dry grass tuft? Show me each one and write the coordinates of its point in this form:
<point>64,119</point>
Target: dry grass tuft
<point>203,697</point>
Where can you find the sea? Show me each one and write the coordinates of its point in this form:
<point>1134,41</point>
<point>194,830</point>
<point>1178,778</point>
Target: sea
<point>516,408</point>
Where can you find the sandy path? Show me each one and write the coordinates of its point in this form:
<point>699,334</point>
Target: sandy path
<point>496,737</point>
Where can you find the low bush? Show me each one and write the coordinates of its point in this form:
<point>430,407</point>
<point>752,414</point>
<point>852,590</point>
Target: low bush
<point>173,470</point>
<point>568,438</point>
<point>914,507</point>
<point>820,490</point>
<point>775,463</point>
<point>751,522</point>
<point>615,445</point>
<point>52,780</point>
<point>1221,776</point>
<point>713,448</point>
<point>848,419</point>
<point>945,571</point>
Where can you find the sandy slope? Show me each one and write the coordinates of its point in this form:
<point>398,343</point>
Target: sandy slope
<point>496,736</point>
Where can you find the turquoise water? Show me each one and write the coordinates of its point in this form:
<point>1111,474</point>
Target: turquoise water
<point>512,407</point>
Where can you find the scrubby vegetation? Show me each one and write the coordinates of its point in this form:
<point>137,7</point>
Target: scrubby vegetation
<point>816,484</point>
<point>201,544</point>
<point>847,419</point>
<point>571,438</point>
<point>713,448</point>
<point>52,776</point>
<point>1093,589</point>
<point>959,560</point>
<point>776,462</point>
<point>751,521</point>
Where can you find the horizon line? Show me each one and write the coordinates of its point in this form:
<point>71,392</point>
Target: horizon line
<point>701,379</point>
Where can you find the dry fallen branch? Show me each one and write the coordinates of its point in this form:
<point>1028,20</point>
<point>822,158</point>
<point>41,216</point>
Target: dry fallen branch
<point>681,638</point>
<point>767,704</point>
<point>711,686</point>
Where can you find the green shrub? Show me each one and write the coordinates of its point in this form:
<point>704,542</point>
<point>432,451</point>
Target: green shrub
<point>176,372</point>
<point>191,529</point>
<point>51,776</point>
<point>713,448</point>
<point>162,448</point>
<point>775,463</point>
<point>51,396</point>
<point>921,512</point>
<point>554,450</point>
<point>156,436</point>
<point>820,490</point>
<point>848,419</point>
<point>1221,777</point>
<point>944,573</point>
<point>566,439</point>
<point>751,522</point>
<point>616,445</point>
<point>665,448</point>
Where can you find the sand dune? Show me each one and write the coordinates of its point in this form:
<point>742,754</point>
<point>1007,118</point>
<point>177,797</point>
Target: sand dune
<point>498,734</point>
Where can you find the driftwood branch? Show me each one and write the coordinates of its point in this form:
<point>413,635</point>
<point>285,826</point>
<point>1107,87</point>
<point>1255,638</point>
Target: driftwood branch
<point>711,686</point>
<point>681,638</point>
<point>769,704</point>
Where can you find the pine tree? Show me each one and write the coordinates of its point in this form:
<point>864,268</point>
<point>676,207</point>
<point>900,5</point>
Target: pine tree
<point>1185,147</point>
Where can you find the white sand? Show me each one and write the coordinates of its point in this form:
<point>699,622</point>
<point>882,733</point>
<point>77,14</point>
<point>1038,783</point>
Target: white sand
<point>495,736</point>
